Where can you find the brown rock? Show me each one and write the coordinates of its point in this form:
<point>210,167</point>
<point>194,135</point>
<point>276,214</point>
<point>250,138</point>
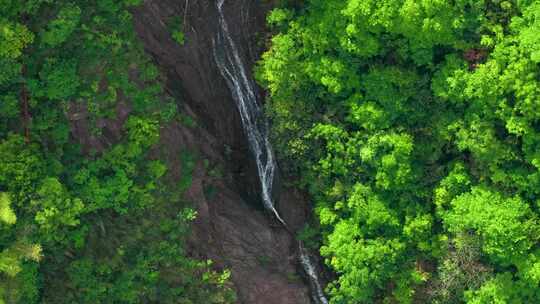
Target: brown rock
<point>231,227</point>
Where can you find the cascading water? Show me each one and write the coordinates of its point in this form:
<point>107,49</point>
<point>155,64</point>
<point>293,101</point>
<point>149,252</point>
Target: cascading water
<point>256,127</point>
<point>232,69</point>
<point>307,264</point>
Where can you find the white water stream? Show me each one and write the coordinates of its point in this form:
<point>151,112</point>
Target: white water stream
<point>255,125</point>
<point>316,289</point>
<point>232,69</point>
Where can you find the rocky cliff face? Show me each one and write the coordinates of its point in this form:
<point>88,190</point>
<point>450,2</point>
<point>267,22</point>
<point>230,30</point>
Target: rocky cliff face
<point>231,228</point>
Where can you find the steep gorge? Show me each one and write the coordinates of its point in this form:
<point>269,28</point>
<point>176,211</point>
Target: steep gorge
<point>231,227</point>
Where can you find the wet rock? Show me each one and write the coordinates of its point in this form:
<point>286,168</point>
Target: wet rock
<point>230,229</point>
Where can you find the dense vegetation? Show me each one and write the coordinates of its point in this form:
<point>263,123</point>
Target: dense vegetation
<point>75,211</point>
<point>415,125</point>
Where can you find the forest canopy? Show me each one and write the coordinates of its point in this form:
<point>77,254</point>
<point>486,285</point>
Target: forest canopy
<point>415,126</point>
<point>79,190</point>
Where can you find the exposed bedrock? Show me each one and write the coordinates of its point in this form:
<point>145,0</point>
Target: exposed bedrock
<point>232,228</point>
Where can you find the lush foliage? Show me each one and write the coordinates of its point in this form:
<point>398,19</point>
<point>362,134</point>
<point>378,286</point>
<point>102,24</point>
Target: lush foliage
<point>415,126</point>
<point>74,210</point>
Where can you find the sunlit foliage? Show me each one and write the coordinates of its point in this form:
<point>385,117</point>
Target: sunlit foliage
<point>414,125</point>
<point>64,63</point>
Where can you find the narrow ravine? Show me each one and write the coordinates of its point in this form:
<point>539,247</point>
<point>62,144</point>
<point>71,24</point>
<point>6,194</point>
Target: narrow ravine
<point>256,129</point>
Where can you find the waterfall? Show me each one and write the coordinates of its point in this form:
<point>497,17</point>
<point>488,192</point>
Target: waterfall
<point>307,264</point>
<point>256,128</point>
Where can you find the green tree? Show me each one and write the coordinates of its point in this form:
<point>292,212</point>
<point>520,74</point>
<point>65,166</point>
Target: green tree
<point>70,64</point>
<point>412,124</point>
